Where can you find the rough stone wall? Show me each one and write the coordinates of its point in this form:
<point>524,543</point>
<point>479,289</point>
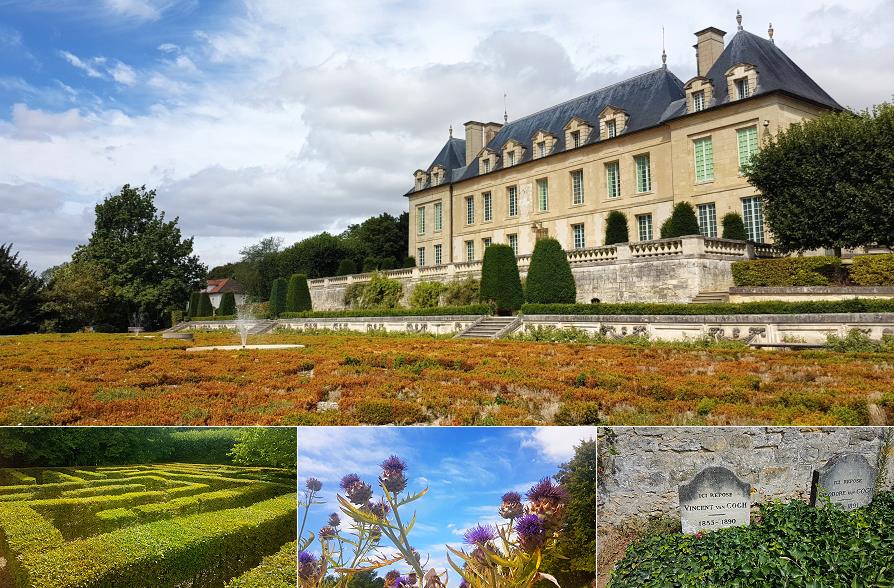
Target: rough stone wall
<point>641,468</point>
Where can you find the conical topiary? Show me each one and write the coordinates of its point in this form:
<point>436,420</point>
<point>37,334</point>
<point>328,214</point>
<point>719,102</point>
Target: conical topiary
<point>193,304</point>
<point>204,307</point>
<point>616,228</point>
<point>682,222</point>
<point>278,292</point>
<point>500,282</point>
<point>734,227</point>
<point>227,304</point>
<point>298,295</point>
<point>550,280</point>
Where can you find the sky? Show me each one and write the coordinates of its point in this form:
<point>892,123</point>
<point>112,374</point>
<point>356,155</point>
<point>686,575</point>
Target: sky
<point>284,117</point>
<point>467,470</point>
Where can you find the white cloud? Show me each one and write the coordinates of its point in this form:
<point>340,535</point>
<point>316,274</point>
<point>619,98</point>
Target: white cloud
<point>84,66</point>
<point>123,74</point>
<point>557,443</point>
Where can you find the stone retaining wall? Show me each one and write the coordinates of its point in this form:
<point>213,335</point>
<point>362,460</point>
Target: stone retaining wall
<point>641,468</point>
<point>802,293</point>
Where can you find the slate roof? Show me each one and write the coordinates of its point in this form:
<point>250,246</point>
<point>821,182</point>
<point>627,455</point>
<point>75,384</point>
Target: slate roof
<point>219,286</point>
<point>649,99</point>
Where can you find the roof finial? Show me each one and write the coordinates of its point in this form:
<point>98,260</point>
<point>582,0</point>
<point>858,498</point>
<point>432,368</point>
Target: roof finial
<point>505,110</point>
<point>663,52</point>
<point>451,131</point>
<point>770,32</point>
<point>739,19</point>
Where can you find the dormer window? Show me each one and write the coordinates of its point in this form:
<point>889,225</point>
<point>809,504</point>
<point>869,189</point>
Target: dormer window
<point>512,153</point>
<point>577,131</point>
<point>421,179</point>
<point>611,128</point>
<point>511,157</point>
<point>541,149</point>
<point>742,88</point>
<point>435,178</point>
<point>543,143</point>
<point>698,101</point>
<point>486,166</point>
<point>612,122</point>
<point>742,81</point>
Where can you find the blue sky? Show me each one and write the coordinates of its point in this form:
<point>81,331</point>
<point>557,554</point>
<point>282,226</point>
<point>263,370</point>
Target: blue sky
<point>467,470</point>
<point>284,117</point>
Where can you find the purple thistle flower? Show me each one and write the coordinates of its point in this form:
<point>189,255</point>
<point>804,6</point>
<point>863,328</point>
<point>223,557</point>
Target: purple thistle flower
<point>546,490</point>
<point>307,565</point>
<point>511,506</point>
<point>404,581</point>
<point>358,491</point>
<point>547,500</point>
<point>479,535</point>
<point>379,509</point>
<point>334,520</point>
<point>328,532</point>
<point>464,584</point>
<point>531,532</point>
<point>349,480</point>
<point>391,577</point>
<point>314,485</point>
<point>394,463</point>
<point>511,497</point>
<point>393,477</point>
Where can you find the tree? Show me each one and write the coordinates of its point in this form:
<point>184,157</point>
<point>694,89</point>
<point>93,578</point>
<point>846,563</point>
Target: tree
<point>500,282</point>
<point>298,295</point>
<point>682,222</point>
<point>346,267</point>
<point>378,237</point>
<point>549,276</point>
<point>227,304</point>
<point>367,579</point>
<point>205,308</point>
<point>616,228</point>
<point>278,293</point>
<point>272,447</point>
<point>734,227</point>
<point>829,182</point>
<point>574,560</point>
<point>315,257</point>
<point>19,293</point>
<point>146,263</point>
<point>75,296</point>
<point>260,250</point>
<point>193,309</point>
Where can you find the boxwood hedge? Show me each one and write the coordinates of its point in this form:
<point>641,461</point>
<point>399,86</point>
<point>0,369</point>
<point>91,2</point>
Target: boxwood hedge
<point>873,270</point>
<point>791,545</point>
<point>788,271</point>
<point>276,571</point>
<point>24,532</point>
<point>766,307</point>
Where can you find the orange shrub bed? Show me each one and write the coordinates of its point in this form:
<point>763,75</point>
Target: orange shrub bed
<point>91,379</point>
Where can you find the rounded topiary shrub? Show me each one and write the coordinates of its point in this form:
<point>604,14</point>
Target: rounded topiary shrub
<point>550,279</point>
<point>227,304</point>
<point>682,222</point>
<point>193,304</point>
<point>204,307</point>
<point>410,262</point>
<point>298,294</point>
<point>734,227</point>
<point>616,230</point>
<point>278,294</point>
<point>346,267</point>
<point>500,282</point>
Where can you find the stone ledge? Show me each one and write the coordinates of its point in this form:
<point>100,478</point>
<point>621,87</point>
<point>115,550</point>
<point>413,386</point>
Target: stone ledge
<point>837,290</point>
<point>860,317</point>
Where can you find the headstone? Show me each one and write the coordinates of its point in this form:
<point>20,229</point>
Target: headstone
<point>848,479</point>
<point>715,498</point>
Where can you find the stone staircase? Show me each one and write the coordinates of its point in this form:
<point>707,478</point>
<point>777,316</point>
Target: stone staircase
<point>491,327</point>
<point>710,297</point>
<point>261,327</point>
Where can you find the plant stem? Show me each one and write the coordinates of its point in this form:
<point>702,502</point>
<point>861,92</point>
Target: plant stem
<point>310,498</point>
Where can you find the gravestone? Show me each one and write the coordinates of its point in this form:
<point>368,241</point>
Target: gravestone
<point>848,479</point>
<point>715,498</point>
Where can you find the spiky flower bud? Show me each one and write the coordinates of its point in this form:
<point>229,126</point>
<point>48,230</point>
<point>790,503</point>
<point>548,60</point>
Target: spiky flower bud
<point>314,485</point>
<point>547,500</point>
<point>511,507</point>
<point>358,491</point>
<point>307,565</point>
<point>393,477</point>
<point>531,532</point>
<point>328,532</point>
<point>334,520</point>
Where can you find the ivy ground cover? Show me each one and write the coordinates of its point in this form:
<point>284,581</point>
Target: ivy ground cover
<point>145,526</point>
<point>352,378</point>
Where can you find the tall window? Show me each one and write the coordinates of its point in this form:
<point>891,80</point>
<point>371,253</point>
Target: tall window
<point>752,214</point>
<point>575,138</point>
<point>470,250</point>
<point>470,210</point>
<point>420,220</point>
<point>439,258</point>
<point>577,187</point>
<point>435,178</point>
<point>578,232</point>
<point>704,160</point>
<point>541,149</point>
<point>485,165</point>
<point>613,179</point>
<point>513,242</point>
<point>420,256</point>
<point>439,216</point>
<point>512,198</point>
<point>707,219</point>
<point>643,173</point>
<point>698,100</point>
<point>542,195</point>
<point>747,140</point>
<point>644,223</point>
<point>488,206</point>
<point>511,155</point>
<point>742,90</point>
<point>611,128</point>
<point>485,243</point>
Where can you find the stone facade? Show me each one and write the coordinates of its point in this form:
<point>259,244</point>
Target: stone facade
<point>641,468</point>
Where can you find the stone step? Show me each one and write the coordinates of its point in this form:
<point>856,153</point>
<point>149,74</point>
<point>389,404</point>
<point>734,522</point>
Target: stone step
<point>488,328</point>
<point>710,297</point>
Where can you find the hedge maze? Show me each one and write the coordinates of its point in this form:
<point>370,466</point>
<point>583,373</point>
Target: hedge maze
<point>170,525</point>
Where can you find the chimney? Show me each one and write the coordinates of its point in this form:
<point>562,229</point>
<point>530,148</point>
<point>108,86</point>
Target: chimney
<point>474,139</point>
<point>708,48</point>
<point>490,131</point>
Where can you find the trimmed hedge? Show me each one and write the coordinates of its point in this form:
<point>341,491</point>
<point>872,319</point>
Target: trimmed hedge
<point>102,490</point>
<point>218,499</point>
<point>873,270</point>
<point>50,476</point>
<point>298,294</point>
<point>193,307</point>
<point>24,532</point>
<point>204,308</point>
<point>682,222</point>
<point>276,571</point>
<point>227,304</point>
<point>500,281</point>
<point>207,547</point>
<point>550,280</point>
<point>793,544</point>
<point>734,227</point>
<point>76,516</point>
<point>19,478</point>
<point>474,309</point>
<point>726,308</point>
<point>616,230</point>
<point>278,292</point>
<point>788,271</point>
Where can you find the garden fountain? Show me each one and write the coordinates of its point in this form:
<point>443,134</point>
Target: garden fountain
<point>245,322</point>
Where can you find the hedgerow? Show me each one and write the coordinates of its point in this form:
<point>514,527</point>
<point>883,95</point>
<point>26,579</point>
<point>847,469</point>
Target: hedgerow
<point>768,307</point>
<point>275,571</point>
<point>473,309</point>
<point>873,270</point>
<point>24,532</point>
<point>793,544</point>
<point>788,271</point>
